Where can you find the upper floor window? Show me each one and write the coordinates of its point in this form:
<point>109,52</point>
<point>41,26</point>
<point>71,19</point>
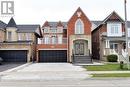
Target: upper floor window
<point>9,35</point>
<point>53,30</point>
<point>114,29</point>
<point>128,32</point>
<point>46,30</point>
<point>20,36</point>
<point>79,27</point>
<point>46,39</point>
<point>54,39</point>
<point>28,36</point>
<point>59,29</point>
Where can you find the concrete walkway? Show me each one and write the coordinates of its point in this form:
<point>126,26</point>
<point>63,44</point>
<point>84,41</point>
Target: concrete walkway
<point>46,71</point>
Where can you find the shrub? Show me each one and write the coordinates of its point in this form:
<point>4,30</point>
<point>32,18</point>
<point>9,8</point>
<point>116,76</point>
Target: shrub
<point>112,58</point>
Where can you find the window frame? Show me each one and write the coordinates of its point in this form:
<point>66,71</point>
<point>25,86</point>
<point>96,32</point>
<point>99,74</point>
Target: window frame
<point>79,27</point>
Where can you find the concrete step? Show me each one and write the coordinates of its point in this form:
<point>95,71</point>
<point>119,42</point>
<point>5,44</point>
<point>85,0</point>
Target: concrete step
<point>82,59</point>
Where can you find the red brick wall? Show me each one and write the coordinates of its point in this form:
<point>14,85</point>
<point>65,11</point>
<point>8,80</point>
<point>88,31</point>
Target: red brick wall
<point>73,19</point>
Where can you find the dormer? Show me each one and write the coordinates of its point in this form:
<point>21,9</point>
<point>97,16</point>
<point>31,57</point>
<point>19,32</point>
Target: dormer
<point>60,27</point>
<point>11,31</point>
<point>46,27</point>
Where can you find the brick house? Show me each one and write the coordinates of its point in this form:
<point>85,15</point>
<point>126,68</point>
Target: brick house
<point>66,41</point>
<point>17,43</point>
<point>109,38</point>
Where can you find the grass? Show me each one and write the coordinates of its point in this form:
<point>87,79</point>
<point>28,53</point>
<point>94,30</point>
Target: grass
<point>112,75</point>
<point>106,67</point>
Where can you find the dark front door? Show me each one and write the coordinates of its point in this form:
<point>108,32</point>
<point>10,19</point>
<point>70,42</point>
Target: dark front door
<point>13,55</point>
<point>79,48</point>
<point>53,55</point>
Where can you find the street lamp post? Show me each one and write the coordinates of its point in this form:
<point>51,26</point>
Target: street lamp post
<point>126,34</point>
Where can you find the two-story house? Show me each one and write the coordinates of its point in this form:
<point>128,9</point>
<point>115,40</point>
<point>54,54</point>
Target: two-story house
<point>66,41</point>
<point>2,31</point>
<point>53,46</point>
<point>109,38</point>
<point>19,42</point>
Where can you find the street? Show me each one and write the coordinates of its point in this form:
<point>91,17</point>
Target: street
<point>91,82</point>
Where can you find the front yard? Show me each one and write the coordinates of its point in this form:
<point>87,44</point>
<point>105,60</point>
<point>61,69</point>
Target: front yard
<point>106,67</point>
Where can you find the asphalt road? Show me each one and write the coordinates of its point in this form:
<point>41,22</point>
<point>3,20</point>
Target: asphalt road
<point>91,82</point>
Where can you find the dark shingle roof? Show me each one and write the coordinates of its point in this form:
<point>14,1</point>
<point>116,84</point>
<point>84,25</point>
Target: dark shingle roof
<point>97,22</point>
<point>11,23</point>
<point>54,24</point>
<point>2,25</point>
<point>27,28</point>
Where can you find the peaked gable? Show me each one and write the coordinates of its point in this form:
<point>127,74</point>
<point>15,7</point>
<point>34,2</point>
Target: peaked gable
<point>78,14</point>
<point>11,23</point>
<point>113,17</point>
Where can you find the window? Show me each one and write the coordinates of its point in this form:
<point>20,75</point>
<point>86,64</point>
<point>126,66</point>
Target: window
<point>114,29</point>
<point>53,30</point>
<point>54,39</point>
<point>59,39</point>
<point>128,32</point>
<point>46,30</point>
<point>19,36</point>
<point>9,35</point>
<point>47,40</point>
<point>79,27</point>
<point>59,29</point>
<point>28,36</point>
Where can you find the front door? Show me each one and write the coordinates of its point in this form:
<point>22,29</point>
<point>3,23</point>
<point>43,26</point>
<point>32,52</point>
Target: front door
<point>79,48</point>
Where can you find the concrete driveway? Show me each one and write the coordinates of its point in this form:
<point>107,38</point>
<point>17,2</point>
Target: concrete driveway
<point>47,71</point>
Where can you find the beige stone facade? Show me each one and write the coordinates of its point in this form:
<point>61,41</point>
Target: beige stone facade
<point>73,38</point>
<point>2,35</point>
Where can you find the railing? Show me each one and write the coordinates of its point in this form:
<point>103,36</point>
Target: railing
<point>42,41</point>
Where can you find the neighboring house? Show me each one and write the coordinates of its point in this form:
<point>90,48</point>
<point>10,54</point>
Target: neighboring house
<point>2,31</point>
<point>66,41</point>
<point>109,38</point>
<point>19,42</point>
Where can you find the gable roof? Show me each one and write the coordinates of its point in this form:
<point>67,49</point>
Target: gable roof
<point>11,23</point>
<point>79,10</point>
<point>107,18</point>
<point>2,25</point>
<point>113,14</point>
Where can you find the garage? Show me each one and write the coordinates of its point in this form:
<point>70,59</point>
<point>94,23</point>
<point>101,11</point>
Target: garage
<point>53,56</point>
<point>14,55</point>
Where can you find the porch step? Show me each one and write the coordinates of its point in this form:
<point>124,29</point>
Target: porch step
<point>82,59</point>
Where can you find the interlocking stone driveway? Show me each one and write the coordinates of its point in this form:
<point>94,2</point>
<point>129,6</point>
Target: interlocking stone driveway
<point>48,71</point>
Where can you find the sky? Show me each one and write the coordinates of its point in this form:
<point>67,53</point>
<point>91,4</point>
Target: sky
<point>39,11</point>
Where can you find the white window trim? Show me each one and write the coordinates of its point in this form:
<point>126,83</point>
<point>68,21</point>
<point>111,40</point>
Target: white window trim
<point>28,36</point>
<point>19,36</point>
<point>109,32</point>
<point>128,32</point>
<point>77,31</point>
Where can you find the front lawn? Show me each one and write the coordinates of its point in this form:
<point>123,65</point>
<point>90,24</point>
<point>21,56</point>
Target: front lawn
<point>112,75</point>
<point>105,67</point>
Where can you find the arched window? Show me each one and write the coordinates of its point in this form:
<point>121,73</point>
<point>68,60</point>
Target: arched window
<point>79,27</point>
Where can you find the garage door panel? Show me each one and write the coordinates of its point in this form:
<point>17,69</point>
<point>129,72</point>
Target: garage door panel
<point>14,56</point>
<point>53,56</point>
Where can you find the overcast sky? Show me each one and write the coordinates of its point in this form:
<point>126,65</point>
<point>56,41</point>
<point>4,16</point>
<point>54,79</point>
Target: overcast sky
<point>38,11</point>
